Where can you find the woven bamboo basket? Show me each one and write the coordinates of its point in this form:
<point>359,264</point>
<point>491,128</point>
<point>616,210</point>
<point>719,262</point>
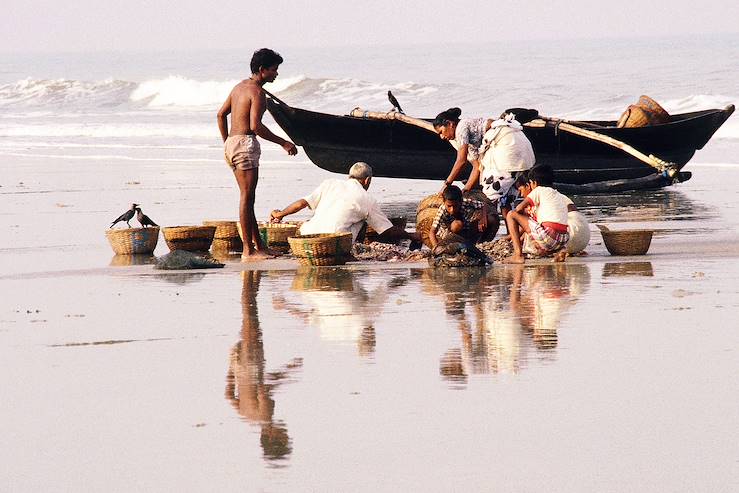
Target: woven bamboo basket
<point>424,220</point>
<point>659,114</point>
<point>190,238</point>
<point>133,240</point>
<point>322,249</point>
<point>645,112</point>
<point>278,233</point>
<point>323,261</point>
<point>262,234</point>
<point>434,201</point>
<point>626,243</point>
<point>226,237</point>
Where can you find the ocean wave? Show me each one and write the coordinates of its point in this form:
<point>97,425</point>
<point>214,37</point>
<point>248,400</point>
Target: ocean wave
<point>178,92</point>
<point>34,93</point>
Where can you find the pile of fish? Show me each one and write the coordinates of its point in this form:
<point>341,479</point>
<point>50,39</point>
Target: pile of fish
<point>495,251</point>
<point>457,254</point>
<point>383,252</point>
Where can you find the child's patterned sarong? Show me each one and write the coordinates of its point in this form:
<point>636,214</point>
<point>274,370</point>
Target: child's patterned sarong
<point>543,240</point>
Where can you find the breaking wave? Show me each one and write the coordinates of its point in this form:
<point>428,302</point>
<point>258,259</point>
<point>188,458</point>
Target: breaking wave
<point>179,92</point>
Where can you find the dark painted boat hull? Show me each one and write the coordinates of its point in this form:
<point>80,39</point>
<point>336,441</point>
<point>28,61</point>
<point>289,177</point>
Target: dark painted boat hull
<point>399,150</point>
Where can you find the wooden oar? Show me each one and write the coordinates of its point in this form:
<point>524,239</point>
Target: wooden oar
<point>392,115</point>
<point>659,164</point>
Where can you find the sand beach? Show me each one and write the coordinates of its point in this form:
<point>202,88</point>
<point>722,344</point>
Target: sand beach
<point>606,372</point>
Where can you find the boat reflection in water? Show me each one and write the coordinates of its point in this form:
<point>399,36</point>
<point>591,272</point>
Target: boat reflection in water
<point>249,386</point>
<point>342,304</point>
<point>505,316</point>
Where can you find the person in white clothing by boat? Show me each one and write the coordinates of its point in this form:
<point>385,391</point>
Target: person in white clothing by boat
<point>345,205</point>
<point>505,152</point>
<point>497,149</point>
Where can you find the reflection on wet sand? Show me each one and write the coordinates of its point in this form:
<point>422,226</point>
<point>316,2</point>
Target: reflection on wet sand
<point>249,387</point>
<point>127,260</point>
<point>611,269</point>
<point>505,317</point>
<point>181,278</point>
<point>342,304</point>
<point>657,206</point>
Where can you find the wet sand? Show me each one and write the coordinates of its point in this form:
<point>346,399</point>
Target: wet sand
<point>605,373</point>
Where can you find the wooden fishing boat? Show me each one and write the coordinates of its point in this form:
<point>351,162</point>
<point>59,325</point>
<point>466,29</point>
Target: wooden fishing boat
<point>398,149</point>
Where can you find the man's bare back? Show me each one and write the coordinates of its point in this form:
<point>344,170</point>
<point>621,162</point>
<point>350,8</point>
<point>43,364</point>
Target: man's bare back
<point>242,97</point>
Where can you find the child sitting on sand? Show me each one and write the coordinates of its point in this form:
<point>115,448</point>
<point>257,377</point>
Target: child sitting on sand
<point>541,217</point>
<point>459,219</point>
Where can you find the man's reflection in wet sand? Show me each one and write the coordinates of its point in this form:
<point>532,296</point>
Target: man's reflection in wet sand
<point>248,387</point>
<point>342,304</point>
<point>506,316</point>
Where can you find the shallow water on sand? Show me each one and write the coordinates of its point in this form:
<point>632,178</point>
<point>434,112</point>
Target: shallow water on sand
<point>603,375</point>
<point>53,218</point>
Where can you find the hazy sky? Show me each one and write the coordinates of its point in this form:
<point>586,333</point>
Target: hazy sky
<point>100,25</point>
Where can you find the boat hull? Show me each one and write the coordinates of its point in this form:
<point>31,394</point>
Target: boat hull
<point>399,150</point>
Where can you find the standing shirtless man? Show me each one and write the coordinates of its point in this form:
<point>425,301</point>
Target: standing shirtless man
<point>246,104</point>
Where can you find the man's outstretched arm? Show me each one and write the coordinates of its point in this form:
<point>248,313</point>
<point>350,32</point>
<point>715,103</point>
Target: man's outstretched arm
<point>277,215</point>
<point>260,104</point>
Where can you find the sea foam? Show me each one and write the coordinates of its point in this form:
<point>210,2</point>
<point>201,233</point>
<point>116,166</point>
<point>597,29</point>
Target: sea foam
<point>178,91</point>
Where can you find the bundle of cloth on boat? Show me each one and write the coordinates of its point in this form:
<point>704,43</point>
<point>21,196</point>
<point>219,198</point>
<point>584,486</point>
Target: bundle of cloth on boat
<point>505,152</point>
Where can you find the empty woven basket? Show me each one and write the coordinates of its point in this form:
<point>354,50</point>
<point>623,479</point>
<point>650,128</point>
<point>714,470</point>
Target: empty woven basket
<point>133,240</point>
<point>226,238</point>
<point>627,242</point>
<point>322,249</point>
<point>190,238</point>
<point>278,233</point>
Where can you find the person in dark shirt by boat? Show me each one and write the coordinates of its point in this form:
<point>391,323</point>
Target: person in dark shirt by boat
<point>462,220</point>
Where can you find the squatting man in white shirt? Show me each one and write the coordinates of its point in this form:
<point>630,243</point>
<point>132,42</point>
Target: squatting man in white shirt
<point>345,205</point>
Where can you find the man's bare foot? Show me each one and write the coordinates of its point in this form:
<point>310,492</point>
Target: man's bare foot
<point>255,256</point>
<point>560,256</point>
<point>270,252</point>
<point>514,259</point>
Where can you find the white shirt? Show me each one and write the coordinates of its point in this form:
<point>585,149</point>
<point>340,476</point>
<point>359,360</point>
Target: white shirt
<point>343,205</point>
<point>549,205</point>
